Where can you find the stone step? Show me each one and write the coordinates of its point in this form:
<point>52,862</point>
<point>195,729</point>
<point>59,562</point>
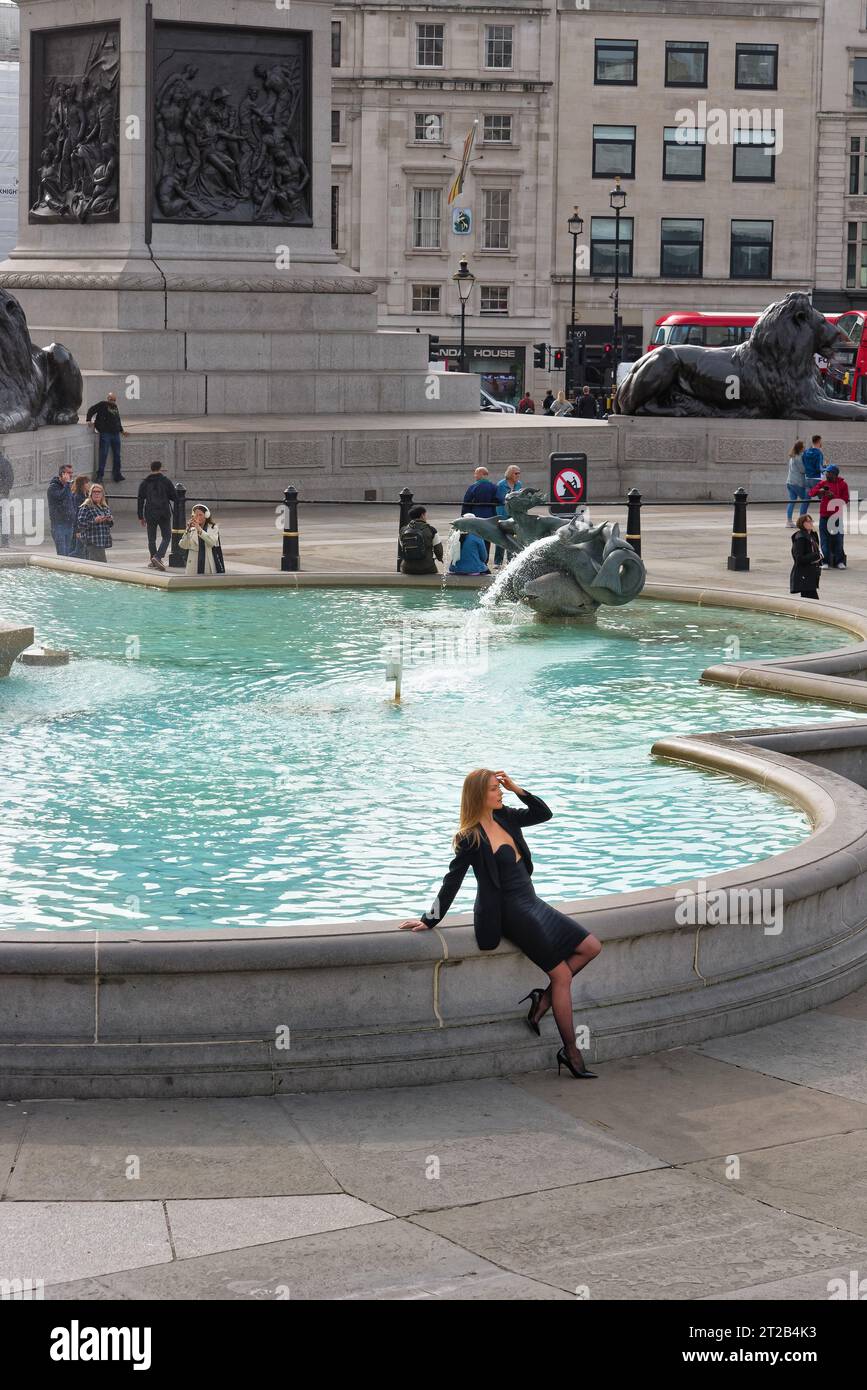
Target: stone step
<point>288,393</point>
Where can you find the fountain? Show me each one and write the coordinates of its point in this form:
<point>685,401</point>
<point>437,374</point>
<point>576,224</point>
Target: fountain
<point>13,641</point>
<point>560,568</point>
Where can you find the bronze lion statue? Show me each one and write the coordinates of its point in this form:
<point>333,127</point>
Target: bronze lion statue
<point>772,376</point>
<point>38,386</point>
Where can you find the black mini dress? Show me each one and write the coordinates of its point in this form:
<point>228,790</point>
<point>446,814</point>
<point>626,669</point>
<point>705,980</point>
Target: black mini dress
<point>545,935</point>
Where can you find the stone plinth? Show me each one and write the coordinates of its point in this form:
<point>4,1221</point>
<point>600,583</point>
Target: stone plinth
<point>211,316</point>
<point>13,641</point>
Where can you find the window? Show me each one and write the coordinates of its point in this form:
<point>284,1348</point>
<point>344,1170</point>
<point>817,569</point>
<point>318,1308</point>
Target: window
<point>752,250</point>
<point>429,45</point>
<point>335,216</point>
<point>682,250</point>
<point>425,299</point>
<point>336,34</point>
<point>496,219</point>
<point>613,151</point>
<point>857,165</point>
<point>686,65</point>
<point>428,127</point>
<point>859,82</point>
<point>426,218</point>
<point>603,235</point>
<point>498,45</point>
<point>753,159</point>
<point>856,256</point>
<point>494,299</point>
<point>683,149</point>
<point>617,62</point>
<point>497,130</point>
<point>335,127</point>
<point>756,65</point>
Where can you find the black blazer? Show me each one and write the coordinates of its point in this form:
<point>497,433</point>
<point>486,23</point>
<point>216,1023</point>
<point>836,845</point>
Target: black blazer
<point>487,912</point>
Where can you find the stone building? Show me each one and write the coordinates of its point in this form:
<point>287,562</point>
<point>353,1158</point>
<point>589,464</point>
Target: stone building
<point>706,111</point>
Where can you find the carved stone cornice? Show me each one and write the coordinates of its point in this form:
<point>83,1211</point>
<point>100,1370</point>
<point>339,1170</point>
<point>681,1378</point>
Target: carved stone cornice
<point>94,280</point>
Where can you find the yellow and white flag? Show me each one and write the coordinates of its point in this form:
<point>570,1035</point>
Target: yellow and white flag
<point>457,187</point>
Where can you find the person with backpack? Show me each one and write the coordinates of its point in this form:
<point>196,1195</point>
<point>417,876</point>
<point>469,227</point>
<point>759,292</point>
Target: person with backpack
<point>526,405</point>
<point>548,402</point>
<point>417,544</point>
<point>156,497</point>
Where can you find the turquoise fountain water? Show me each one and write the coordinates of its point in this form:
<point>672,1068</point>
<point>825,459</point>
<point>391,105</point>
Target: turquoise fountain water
<point>234,759</point>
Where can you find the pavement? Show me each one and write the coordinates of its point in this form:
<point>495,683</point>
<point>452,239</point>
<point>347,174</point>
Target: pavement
<point>731,1170</point>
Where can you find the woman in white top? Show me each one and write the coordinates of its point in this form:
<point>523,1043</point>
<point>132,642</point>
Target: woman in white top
<point>796,481</point>
<point>561,406</point>
<point>201,540</point>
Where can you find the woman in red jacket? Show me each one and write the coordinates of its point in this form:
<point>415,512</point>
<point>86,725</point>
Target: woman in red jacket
<point>490,841</point>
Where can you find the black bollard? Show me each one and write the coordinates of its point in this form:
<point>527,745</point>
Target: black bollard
<point>405,504</point>
<point>633,519</point>
<point>177,558</point>
<point>291,558</point>
<point>739,559</point>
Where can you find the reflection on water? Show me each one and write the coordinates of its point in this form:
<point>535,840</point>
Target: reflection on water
<point>234,759</point>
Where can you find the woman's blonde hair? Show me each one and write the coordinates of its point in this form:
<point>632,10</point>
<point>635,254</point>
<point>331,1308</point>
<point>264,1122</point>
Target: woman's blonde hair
<point>89,502</point>
<point>474,795</point>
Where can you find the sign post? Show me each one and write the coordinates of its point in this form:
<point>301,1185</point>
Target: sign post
<point>568,485</point>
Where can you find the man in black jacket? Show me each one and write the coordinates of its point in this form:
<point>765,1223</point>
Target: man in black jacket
<point>156,497</point>
<point>585,406</point>
<point>104,417</point>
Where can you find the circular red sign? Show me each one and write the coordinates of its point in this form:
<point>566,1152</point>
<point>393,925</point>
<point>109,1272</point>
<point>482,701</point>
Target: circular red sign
<point>568,485</point>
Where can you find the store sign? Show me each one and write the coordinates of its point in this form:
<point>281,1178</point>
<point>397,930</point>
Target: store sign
<point>462,221</point>
<point>480,354</point>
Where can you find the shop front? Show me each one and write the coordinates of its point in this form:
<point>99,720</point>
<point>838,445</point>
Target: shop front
<point>500,366</point>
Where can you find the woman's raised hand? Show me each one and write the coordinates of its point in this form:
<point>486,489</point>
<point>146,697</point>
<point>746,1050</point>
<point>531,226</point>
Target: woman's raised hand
<point>508,782</point>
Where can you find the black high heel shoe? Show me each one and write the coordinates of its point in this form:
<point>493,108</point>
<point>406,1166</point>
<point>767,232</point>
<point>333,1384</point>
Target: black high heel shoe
<point>535,995</point>
<point>563,1060</point>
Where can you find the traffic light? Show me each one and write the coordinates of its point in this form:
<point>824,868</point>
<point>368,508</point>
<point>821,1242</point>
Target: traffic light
<point>607,354</point>
<point>559,359</point>
<point>433,343</point>
<point>540,355</point>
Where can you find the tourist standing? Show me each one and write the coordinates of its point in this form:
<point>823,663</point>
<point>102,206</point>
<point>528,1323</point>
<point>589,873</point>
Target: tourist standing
<point>104,417</point>
<point>94,524</point>
<point>510,482</point>
<point>80,492</point>
<point>814,461</point>
<point>481,495</point>
<point>796,481</point>
<point>807,559</point>
<point>61,510</point>
<point>156,498</point>
<point>833,495</point>
<point>585,405</point>
<point>526,405</point>
<point>418,545</point>
<point>490,841</point>
<point>548,402</point>
<point>201,540</point>
<point>561,405</point>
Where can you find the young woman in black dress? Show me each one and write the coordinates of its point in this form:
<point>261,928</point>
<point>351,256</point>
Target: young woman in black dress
<point>490,841</point>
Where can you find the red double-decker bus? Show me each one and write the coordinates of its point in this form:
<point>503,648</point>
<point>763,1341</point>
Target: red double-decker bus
<point>723,329</point>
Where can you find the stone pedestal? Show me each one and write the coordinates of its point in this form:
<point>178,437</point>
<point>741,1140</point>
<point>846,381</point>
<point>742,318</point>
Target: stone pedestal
<point>13,641</point>
<point>234,307</point>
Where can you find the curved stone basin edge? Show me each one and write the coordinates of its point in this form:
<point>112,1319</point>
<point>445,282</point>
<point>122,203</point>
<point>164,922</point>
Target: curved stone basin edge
<point>360,1004</point>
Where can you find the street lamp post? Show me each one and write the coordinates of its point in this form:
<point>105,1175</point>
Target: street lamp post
<point>576,227</point>
<point>464,279</point>
<point>617,199</point>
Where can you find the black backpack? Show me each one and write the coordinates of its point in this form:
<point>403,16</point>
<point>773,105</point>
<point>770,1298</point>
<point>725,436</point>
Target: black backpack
<point>414,543</point>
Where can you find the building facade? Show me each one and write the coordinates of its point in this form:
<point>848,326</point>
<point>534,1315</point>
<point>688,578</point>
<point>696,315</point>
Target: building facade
<point>706,112</point>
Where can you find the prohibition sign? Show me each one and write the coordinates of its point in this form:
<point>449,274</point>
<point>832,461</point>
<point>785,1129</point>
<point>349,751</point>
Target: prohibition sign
<point>568,486</point>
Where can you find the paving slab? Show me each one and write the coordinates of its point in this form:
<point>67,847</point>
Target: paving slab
<point>388,1260</point>
<point>55,1241</point>
<point>81,1150</point>
<point>825,1179</point>
<point>683,1106</point>
<point>822,1050</point>
<point>206,1227</point>
<point>422,1148</point>
<point>663,1235</point>
<point>816,1286</point>
<point>852,1005</point>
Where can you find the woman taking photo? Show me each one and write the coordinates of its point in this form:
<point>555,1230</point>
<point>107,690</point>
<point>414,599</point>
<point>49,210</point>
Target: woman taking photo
<point>807,555</point>
<point>93,525</point>
<point>490,841</point>
<point>201,540</point>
